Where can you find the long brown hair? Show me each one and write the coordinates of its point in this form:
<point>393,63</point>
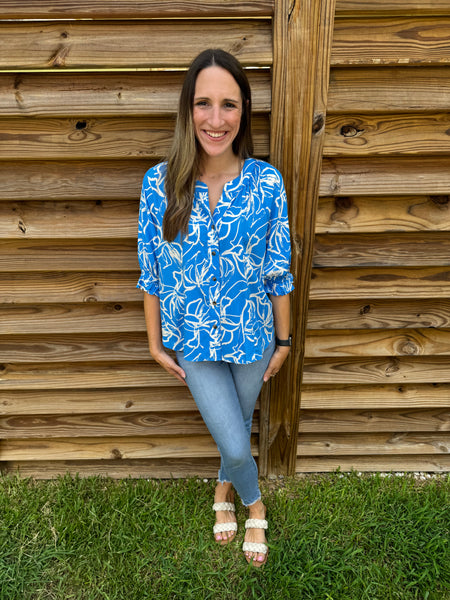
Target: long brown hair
<point>183,158</point>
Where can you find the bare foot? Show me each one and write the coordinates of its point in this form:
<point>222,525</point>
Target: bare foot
<point>224,493</point>
<point>256,535</point>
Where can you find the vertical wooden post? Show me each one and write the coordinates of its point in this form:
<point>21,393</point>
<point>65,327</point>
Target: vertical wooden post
<point>302,43</point>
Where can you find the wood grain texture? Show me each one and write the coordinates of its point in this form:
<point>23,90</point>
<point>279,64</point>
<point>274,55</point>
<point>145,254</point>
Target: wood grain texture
<point>380,283</point>
<point>95,317</point>
<point>439,463</point>
<point>123,9</point>
<point>407,342</point>
<point>376,443</point>
<point>374,419</point>
<point>382,250</point>
<point>385,176</point>
<point>371,397</point>
<point>382,214</point>
<point>129,44</point>
<point>377,370</point>
<point>75,180</point>
<point>392,134</point>
<point>379,314</point>
<point>99,138</point>
<point>84,95</point>
<point>368,9</point>
<point>391,41</point>
<point>389,90</point>
<point>59,286</point>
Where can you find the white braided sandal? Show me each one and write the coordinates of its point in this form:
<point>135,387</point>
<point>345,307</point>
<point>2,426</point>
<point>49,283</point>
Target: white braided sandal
<point>221,527</point>
<point>259,548</point>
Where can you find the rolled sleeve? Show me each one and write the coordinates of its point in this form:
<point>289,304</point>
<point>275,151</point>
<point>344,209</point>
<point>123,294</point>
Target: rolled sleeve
<point>147,243</point>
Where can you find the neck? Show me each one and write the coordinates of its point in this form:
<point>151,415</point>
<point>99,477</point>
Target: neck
<point>213,166</point>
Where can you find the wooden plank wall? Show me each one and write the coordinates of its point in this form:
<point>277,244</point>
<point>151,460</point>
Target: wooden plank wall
<point>88,93</point>
<point>376,380</point>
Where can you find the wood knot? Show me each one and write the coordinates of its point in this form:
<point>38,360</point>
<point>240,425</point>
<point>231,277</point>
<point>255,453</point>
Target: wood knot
<point>440,200</point>
<point>116,454</point>
<point>129,404</point>
<point>318,123</point>
<point>351,131</point>
<point>364,310</point>
<point>408,347</point>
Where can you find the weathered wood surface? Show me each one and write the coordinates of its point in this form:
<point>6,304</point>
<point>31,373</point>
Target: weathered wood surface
<point>86,219</point>
<point>165,468</point>
<point>375,443</point>
<point>380,283</point>
<point>407,342</point>
<point>379,314</point>
<point>73,255</point>
<point>364,463</point>
<point>393,134</point>
<point>120,401</point>
<point>95,317</point>
<point>129,44</point>
<point>99,138</point>
<point>74,180</point>
<point>377,370</point>
<point>391,41</point>
<point>368,8</point>
<point>375,397</point>
<point>382,250</point>
<point>386,176</point>
<point>370,420</point>
<point>379,214</point>
<point>26,288</point>
<point>61,94</point>
<point>123,9</point>
<point>389,89</point>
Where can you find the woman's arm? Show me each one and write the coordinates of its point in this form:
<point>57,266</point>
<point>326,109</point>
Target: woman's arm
<point>153,322</point>
<point>281,316</point>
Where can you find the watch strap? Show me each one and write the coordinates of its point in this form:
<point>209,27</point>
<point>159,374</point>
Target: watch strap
<point>287,342</point>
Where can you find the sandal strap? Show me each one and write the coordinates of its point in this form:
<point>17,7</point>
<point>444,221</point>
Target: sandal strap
<point>220,527</point>
<point>224,506</point>
<point>254,547</point>
<point>256,524</point>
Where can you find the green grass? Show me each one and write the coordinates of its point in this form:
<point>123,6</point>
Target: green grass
<point>331,537</point>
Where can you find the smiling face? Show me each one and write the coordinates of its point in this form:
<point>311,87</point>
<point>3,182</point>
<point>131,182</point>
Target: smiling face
<point>217,111</point>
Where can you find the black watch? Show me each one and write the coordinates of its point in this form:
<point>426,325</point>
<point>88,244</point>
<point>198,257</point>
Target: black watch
<point>287,342</point>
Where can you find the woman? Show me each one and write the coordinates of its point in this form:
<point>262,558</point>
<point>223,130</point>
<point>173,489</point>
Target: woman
<point>214,251</point>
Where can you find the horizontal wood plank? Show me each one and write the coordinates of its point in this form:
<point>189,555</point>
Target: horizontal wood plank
<point>393,134</point>
<point>94,401</point>
<point>74,348</point>
<point>389,89</point>
<point>108,449</point>
<point>74,255</point>
<point>368,397</point>
<point>99,138</point>
<point>69,219</point>
<point>382,250</point>
<point>45,377</point>
<point>95,317</point>
<point>375,443</point>
<point>163,468</point>
<point>439,463</point>
<point>391,41</point>
<point>377,370</point>
<point>381,176</point>
<point>368,8</point>
<point>84,95</point>
<point>403,342</point>
<point>72,180</point>
<point>383,214</point>
<point>375,420</point>
<point>378,314</point>
<point>380,283</point>
<point>47,288</point>
<point>129,44</point>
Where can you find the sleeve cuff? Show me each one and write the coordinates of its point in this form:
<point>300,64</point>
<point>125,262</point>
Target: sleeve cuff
<point>148,286</point>
<point>279,286</point>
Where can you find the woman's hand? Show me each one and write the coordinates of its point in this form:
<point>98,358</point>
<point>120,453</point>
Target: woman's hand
<point>275,363</point>
<point>168,363</point>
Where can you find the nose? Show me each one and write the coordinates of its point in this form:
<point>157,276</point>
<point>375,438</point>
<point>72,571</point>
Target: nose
<point>216,117</point>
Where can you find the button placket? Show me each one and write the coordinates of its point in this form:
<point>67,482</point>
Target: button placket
<point>214,257</point>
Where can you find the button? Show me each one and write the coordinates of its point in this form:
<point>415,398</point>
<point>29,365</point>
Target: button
<point>214,303</point>
<point>214,278</point>
<point>213,226</point>
<point>213,253</point>
<point>214,326</point>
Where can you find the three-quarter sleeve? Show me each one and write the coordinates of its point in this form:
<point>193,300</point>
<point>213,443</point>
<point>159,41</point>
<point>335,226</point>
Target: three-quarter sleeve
<point>278,280</point>
<point>147,243</point>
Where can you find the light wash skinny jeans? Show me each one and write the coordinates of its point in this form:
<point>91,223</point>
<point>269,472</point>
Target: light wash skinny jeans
<point>226,394</point>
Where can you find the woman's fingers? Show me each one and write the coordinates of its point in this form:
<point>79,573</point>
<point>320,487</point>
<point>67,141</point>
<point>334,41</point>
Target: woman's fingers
<point>275,363</point>
<point>172,367</point>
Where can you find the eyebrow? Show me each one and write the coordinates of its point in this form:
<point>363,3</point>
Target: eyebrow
<point>207,98</point>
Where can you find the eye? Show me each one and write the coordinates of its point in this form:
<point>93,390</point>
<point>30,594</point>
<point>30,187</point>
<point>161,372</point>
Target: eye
<point>201,103</point>
<point>230,105</point>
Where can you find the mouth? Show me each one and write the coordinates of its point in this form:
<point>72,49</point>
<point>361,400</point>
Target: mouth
<point>215,135</point>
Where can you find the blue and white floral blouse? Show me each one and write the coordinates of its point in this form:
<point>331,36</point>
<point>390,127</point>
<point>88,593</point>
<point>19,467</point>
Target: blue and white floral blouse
<point>213,285</point>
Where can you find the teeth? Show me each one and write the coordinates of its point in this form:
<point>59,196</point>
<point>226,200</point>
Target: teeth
<point>215,134</point>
